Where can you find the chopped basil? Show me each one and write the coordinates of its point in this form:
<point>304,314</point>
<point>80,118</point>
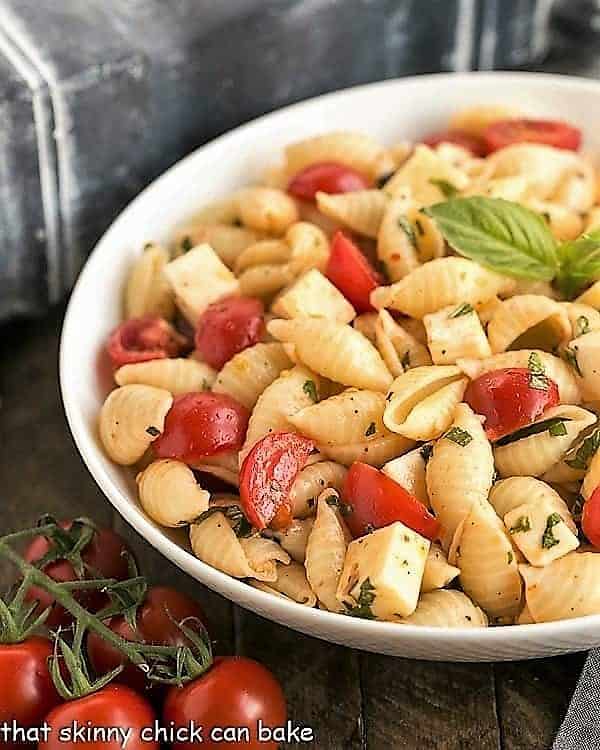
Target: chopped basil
<point>570,356</point>
<point>585,452</point>
<point>405,361</point>
<point>371,430</point>
<point>557,429</point>
<point>364,603</point>
<point>464,309</point>
<point>406,227</point>
<point>310,389</point>
<point>186,244</point>
<point>153,431</point>
<point>582,326</point>
<point>523,524</point>
<point>548,538</point>
<point>458,436</point>
<point>239,523</point>
<point>447,188</point>
<point>537,377</point>
<point>546,425</point>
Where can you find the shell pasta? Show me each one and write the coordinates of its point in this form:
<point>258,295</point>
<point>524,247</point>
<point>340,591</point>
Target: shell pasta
<point>369,382</point>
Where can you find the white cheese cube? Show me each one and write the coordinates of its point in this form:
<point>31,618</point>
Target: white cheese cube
<point>382,573</point>
<point>314,296</point>
<point>408,471</point>
<point>454,333</point>
<point>438,571</point>
<point>540,532</point>
<point>198,279</point>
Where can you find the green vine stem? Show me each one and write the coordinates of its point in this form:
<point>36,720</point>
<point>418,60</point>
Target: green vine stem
<point>173,665</point>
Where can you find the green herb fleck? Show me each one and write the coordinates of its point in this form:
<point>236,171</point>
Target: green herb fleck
<point>582,326</point>
<point>523,524</point>
<point>447,188</point>
<point>153,431</point>
<point>557,429</point>
<point>364,603</point>
<point>533,429</point>
<point>464,309</point>
<point>585,452</point>
<point>186,244</point>
<point>510,557</point>
<point>537,376</point>
<point>371,430</point>
<point>405,361</point>
<point>570,356</point>
<point>548,538</point>
<point>406,227</point>
<point>459,436</point>
<point>239,523</point>
<point>310,389</point>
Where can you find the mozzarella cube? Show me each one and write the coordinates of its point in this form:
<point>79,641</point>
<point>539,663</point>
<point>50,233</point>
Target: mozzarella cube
<point>313,296</point>
<point>198,279</point>
<point>540,532</point>
<point>382,573</point>
<point>408,471</point>
<point>438,572</point>
<point>455,332</point>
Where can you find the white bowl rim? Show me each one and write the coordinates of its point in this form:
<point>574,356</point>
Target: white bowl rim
<point>232,588</point>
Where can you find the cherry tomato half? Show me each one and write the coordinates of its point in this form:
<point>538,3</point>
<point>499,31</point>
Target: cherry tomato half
<point>115,706</point>
<point>590,519</point>
<point>142,339</point>
<point>508,401</point>
<point>326,177</point>
<point>106,556</point>
<point>375,501</point>
<point>157,622</point>
<point>267,475</point>
<point>235,692</point>
<point>26,689</point>
<point>350,271</point>
<point>202,424</point>
<point>468,141</point>
<point>227,327</point>
<point>547,132</point>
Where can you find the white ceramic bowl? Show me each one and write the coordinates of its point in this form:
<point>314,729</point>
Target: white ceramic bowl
<point>399,109</point>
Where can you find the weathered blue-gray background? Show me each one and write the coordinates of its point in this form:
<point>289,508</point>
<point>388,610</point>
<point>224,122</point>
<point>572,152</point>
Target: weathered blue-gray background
<point>97,97</point>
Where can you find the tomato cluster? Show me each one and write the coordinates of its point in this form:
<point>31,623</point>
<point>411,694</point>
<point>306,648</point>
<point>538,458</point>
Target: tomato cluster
<point>233,691</point>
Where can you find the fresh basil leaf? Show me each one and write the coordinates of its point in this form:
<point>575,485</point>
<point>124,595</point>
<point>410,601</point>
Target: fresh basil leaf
<point>501,235</point>
<point>579,263</point>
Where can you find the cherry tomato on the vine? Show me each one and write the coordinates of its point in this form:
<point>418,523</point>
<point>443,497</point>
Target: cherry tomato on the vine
<point>468,141</point>
<point>350,271</point>
<point>27,693</point>
<point>235,692</point>
<point>227,327</point>
<point>106,556</point>
<point>546,132</point>
<point>157,622</point>
<point>326,177</point>
<point>142,339</point>
<point>202,424</point>
<point>510,398</point>
<point>115,706</point>
<point>267,475</point>
<point>374,500</point>
<point>590,519</point>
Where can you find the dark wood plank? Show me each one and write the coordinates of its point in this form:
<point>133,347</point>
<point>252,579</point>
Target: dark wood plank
<point>416,704</point>
<point>40,470</point>
<point>321,681</point>
<point>533,697</point>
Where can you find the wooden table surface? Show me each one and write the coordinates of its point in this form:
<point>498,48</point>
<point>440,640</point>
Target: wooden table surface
<point>352,699</point>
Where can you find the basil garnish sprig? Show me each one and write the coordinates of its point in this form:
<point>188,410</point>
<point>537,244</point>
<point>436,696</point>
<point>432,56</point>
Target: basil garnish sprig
<point>514,240</point>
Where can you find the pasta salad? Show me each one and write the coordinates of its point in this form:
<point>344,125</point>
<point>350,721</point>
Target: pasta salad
<point>371,383</point>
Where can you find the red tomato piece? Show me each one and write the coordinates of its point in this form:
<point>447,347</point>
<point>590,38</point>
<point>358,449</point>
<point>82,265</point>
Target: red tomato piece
<point>267,475</point>
<point>326,177</point>
<point>468,141</point>
<point>142,339</point>
<point>508,401</point>
<point>202,424</point>
<point>104,557</point>
<point>547,132</point>
<point>374,500</point>
<point>26,689</point>
<point>350,271</point>
<point>235,692</point>
<point>156,622</point>
<point>114,706</point>
<point>590,519</point>
<point>227,327</point>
